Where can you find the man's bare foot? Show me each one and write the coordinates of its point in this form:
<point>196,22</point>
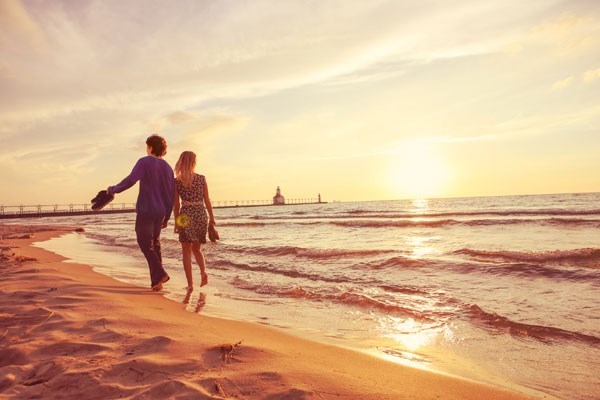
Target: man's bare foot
<point>158,287</point>
<point>204,279</point>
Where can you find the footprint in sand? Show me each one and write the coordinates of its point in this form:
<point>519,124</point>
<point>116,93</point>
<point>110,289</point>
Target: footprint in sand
<point>71,349</point>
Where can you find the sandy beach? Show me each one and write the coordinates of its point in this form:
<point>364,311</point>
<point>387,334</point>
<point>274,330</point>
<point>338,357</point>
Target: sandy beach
<point>69,332</point>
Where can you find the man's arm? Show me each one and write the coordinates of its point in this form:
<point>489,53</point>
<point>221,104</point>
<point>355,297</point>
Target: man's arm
<point>136,174</point>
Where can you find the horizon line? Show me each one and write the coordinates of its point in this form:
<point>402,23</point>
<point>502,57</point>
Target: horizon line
<point>348,201</point>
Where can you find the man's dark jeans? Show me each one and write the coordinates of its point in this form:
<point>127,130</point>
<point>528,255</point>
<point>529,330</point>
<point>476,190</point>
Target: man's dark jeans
<point>147,231</point>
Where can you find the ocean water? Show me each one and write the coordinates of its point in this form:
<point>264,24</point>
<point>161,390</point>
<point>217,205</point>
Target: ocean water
<point>498,289</point>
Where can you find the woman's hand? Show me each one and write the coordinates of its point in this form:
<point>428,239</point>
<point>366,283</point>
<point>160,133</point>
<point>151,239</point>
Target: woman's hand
<point>212,222</point>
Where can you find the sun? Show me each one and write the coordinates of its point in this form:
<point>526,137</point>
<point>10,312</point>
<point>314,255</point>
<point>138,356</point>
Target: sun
<point>418,171</point>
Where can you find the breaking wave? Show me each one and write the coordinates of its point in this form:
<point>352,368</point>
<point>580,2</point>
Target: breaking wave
<point>391,223</point>
<point>543,333</point>
<point>416,222</point>
<point>316,254</point>
<point>581,273</point>
<point>345,297</point>
<point>396,262</point>
<point>576,256</point>
<point>266,268</point>
<point>433,223</point>
<point>450,214</point>
<point>246,224</point>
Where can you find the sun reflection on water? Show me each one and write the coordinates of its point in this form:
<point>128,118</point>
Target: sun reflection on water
<point>420,206</point>
<point>405,340</point>
<point>419,247</point>
<point>419,244</point>
<point>411,334</point>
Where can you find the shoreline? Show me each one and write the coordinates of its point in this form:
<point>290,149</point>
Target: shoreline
<point>65,323</point>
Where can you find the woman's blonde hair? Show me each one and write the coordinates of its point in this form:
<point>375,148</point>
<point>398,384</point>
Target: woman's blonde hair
<point>184,169</point>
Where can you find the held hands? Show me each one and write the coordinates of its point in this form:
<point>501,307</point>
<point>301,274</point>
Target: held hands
<point>176,227</point>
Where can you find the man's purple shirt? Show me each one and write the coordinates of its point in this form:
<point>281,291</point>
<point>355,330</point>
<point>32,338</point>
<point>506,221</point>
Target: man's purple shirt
<point>157,187</point>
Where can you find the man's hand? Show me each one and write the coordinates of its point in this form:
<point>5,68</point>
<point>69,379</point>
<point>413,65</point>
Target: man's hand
<point>164,224</point>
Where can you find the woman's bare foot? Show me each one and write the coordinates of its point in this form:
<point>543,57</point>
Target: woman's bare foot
<point>201,302</point>
<point>204,279</point>
<point>188,297</point>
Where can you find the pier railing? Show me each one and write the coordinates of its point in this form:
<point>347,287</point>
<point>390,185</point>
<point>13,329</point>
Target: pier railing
<point>59,210</point>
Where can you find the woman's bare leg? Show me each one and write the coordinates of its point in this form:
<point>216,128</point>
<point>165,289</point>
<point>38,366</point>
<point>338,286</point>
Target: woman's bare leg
<point>186,248</point>
<point>197,250</point>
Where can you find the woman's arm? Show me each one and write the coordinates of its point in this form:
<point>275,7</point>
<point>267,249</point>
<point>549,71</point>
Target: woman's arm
<point>169,196</point>
<point>208,204</point>
<point>176,208</point>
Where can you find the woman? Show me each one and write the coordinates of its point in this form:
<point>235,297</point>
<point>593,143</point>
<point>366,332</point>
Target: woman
<point>191,221</point>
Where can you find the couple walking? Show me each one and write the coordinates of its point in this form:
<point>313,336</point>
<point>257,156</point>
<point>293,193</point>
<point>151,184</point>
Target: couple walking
<point>161,194</point>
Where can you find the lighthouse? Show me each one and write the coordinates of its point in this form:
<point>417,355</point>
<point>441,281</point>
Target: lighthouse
<point>278,199</point>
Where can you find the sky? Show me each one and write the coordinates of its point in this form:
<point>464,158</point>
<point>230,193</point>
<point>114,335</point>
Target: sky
<point>355,100</point>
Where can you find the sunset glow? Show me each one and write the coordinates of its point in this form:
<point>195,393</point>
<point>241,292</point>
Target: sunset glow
<point>417,171</point>
<point>353,100</point>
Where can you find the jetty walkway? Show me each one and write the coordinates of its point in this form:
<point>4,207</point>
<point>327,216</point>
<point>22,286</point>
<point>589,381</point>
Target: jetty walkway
<point>65,210</point>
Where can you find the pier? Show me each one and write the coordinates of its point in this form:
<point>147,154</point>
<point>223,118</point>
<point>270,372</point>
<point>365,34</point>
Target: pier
<point>68,210</point>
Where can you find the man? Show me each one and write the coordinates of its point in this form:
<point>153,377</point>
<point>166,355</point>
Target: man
<point>154,204</point>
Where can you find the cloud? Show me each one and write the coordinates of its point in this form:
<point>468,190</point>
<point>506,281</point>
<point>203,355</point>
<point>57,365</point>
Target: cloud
<point>55,164</point>
<point>103,54</point>
<point>559,26</point>
<point>563,84</point>
<point>17,23</point>
<point>197,131</point>
<point>109,72</point>
<point>591,75</point>
<point>570,34</point>
<point>465,139</point>
<point>543,124</point>
<point>588,76</point>
<point>199,124</point>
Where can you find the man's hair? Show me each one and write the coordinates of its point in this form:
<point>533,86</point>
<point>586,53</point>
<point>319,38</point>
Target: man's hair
<point>158,144</point>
